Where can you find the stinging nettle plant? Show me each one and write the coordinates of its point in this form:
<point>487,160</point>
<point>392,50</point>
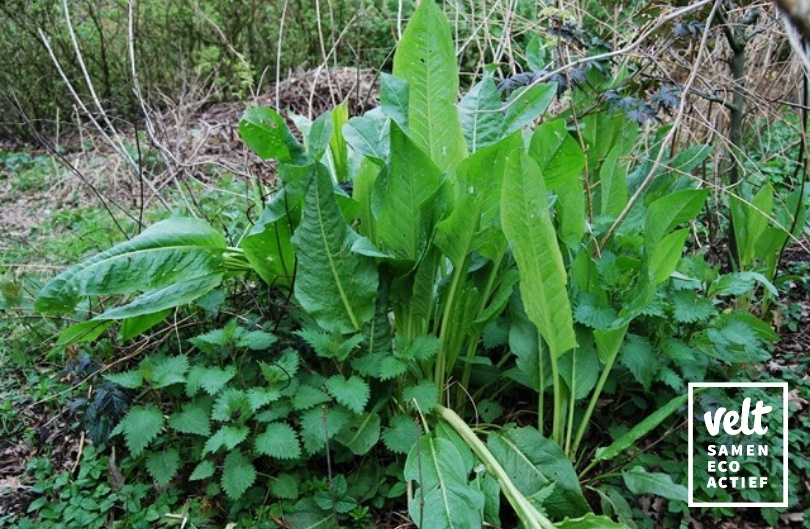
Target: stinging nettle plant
<point>462,260</point>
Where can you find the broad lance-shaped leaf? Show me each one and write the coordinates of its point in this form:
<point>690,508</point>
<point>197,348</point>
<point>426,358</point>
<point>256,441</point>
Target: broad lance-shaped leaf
<point>267,247</point>
<point>449,502</point>
<point>171,252</point>
<point>669,211</point>
<point>266,133</point>
<point>426,59</point>
<point>333,284</point>
<point>527,225</point>
<point>534,462</point>
<point>414,179</point>
<point>481,115</point>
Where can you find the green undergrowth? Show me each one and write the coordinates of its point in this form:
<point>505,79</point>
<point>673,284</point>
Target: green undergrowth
<point>468,310</point>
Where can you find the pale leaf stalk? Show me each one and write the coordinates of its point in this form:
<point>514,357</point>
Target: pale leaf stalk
<point>528,514</point>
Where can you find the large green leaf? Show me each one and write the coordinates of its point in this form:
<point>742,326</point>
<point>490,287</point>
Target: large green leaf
<point>426,59</point>
<point>670,211</point>
<point>640,430</point>
<point>334,285</point>
<point>267,246</point>
<point>527,104</point>
<point>172,252</point>
<point>527,225</point>
<point>394,99</point>
<point>557,153</point>
<point>590,521</point>
<point>444,500</point>
<point>481,115</point>
<point>414,180</point>
<point>534,462</point>
<point>266,133</point>
<point>639,481</point>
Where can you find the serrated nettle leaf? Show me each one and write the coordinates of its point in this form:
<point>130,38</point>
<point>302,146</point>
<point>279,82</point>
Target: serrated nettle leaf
<point>307,396</point>
<point>255,340</point>
<point>230,405</point>
<point>481,115</point>
<point>402,434</point>
<point>128,379</point>
<point>334,285</point>
<point>193,419</point>
<point>164,255</point>
<point>527,224</point>
<point>319,424</point>
<point>280,441</point>
<point>557,153</point>
<point>140,426</point>
<point>238,474</point>
<point>688,307</point>
<point>533,462</point>
<point>284,486</point>
<point>227,436</point>
<point>394,99</point>
<point>210,379</point>
<point>527,104</point>
<point>163,466</point>
<point>166,371</point>
<point>404,224</point>
<point>637,355</point>
<point>639,481</point>
<point>361,434</point>
<point>426,59</point>
<point>352,392</point>
<point>266,133</point>
<point>422,396</point>
<point>203,470</point>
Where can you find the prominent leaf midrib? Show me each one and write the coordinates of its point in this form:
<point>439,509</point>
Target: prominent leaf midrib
<point>332,265</point>
<point>522,455</point>
<point>442,484</point>
<point>534,255</point>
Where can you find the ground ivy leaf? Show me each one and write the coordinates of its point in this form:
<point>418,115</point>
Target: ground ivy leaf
<point>238,474</point>
<point>280,441</point>
<point>352,392</point>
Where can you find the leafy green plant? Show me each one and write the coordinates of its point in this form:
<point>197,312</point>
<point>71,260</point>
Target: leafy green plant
<point>426,243</point>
